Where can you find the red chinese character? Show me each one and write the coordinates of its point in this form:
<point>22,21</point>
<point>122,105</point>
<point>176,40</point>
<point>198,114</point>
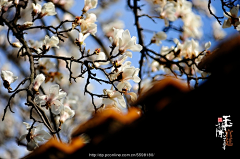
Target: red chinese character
<point>219,119</point>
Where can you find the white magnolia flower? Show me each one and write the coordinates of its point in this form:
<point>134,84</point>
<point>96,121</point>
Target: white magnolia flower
<point>101,56</point>
<point>53,99</point>
<point>230,21</point>
<point>88,24</point>
<point>37,8</point>
<point>218,32</point>
<point>4,4</point>
<point>8,78</point>
<point>122,58</point>
<point>207,45</point>
<point>81,38</point>
<point>158,37</point>
<point>125,87</point>
<point>48,9</point>
<point>168,13</point>
<point>155,66</point>
<point>112,94</point>
<point>116,36</point>
<point>125,73</point>
<point>66,113</point>
<point>192,25</point>
<point>126,42</point>
<point>89,4</point>
<point>37,82</point>
<point>183,8</point>
<point>36,134</point>
<point>51,42</point>
<point>190,48</point>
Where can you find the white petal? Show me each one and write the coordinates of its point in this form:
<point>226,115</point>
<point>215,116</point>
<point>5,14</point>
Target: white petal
<point>22,137</point>
<point>41,99</point>
<point>207,45</point>
<point>38,81</point>
<point>133,96</point>
<point>136,79</point>
<point>8,76</point>
<point>27,125</point>
<point>54,91</point>
<point>56,107</point>
<point>61,94</point>
<point>107,101</point>
<point>43,135</point>
<point>234,11</point>
<point>121,101</point>
<point>31,145</point>
<point>226,23</point>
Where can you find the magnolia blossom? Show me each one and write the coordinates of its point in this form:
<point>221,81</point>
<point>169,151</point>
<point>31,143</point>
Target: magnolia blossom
<point>81,38</point>
<point>124,41</point>
<point>158,37</point>
<point>207,45</point>
<point>37,82</point>
<point>112,94</point>
<point>218,32</point>
<point>88,24</point>
<point>37,8</point>
<point>125,87</point>
<point>53,99</point>
<point>168,13</point>
<point>122,58</point>
<point>89,4</point>
<point>66,113</point>
<point>182,7</point>
<point>51,42</point>
<point>36,134</point>
<point>8,78</point>
<point>4,4</point>
<point>192,25</point>
<point>101,56</point>
<point>117,34</point>
<point>232,21</point>
<point>125,73</point>
<point>190,48</point>
<point>48,9</point>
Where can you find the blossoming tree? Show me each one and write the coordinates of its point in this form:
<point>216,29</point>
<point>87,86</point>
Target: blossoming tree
<point>54,61</point>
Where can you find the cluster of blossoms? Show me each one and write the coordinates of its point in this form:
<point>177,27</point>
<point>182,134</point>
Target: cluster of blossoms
<point>183,57</point>
<point>53,100</point>
<point>34,135</point>
<point>233,19</point>
<point>47,9</point>
<point>190,49</point>
<point>4,5</point>
<point>122,72</point>
<point>172,10</point>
